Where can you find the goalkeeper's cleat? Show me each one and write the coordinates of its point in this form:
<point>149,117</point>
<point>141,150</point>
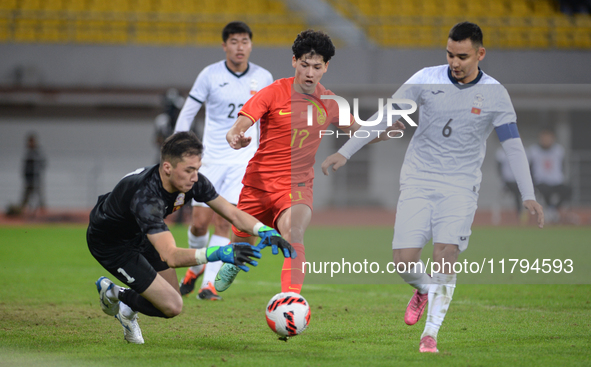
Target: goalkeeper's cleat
<point>208,293</point>
<point>415,308</point>
<point>225,276</point>
<point>103,284</point>
<point>131,329</point>
<point>188,284</point>
<point>428,345</point>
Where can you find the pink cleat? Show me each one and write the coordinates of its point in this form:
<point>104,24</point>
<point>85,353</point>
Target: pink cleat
<point>415,308</point>
<point>428,345</point>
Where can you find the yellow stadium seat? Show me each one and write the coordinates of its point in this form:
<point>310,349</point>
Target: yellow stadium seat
<point>117,32</point>
<point>25,30</point>
<point>476,8</point>
<point>582,21</point>
<point>582,38</point>
<point>90,31</point>
<point>544,7</point>
<point>520,8</point>
<point>53,5</point>
<point>8,5</point>
<point>496,8</point>
<point>563,37</point>
<point>452,8</point>
<point>539,37</point>
<point>29,5</point>
<point>4,29</point>
<point>51,30</point>
<point>430,8</point>
<point>75,6</point>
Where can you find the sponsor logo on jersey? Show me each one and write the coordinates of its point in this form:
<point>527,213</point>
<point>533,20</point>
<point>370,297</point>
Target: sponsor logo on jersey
<point>224,84</point>
<point>281,113</point>
<point>437,92</point>
<point>462,238</point>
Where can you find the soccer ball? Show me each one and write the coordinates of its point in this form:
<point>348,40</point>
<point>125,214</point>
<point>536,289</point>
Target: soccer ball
<point>288,314</point>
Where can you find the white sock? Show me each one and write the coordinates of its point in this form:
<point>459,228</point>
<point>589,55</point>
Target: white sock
<point>419,279</point>
<point>197,242</point>
<point>113,293</point>
<point>126,311</point>
<point>212,268</point>
<point>440,295</point>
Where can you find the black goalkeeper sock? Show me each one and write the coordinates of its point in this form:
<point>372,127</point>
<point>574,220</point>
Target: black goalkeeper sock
<point>138,303</point>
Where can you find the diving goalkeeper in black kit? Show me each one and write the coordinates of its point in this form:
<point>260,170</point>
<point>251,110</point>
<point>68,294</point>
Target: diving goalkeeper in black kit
<point>128,237</point>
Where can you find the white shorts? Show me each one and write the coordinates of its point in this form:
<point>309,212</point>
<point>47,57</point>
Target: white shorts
<point>442,215</point>
<point>227,180</point>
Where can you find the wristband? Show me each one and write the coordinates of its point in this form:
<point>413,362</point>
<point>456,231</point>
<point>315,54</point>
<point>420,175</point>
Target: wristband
<point>255,229</point>
<point>201,256</point>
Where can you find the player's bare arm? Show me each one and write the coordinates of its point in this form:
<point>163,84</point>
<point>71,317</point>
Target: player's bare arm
<point>235,135</point>
<point>535,209</point>
<point>241,220</point>
<point>175,257</point>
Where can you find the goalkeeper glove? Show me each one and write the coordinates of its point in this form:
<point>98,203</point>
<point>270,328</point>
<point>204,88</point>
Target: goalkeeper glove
<point>270,237</point>
<point>234,253</point>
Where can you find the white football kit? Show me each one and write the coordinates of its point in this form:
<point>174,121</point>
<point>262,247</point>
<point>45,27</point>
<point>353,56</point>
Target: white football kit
<point>441,175</point>
<point>224,93</point>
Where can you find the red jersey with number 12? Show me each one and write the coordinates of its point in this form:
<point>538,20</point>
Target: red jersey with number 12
<point>288,146</point>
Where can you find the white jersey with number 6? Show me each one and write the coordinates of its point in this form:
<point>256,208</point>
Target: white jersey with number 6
<point>224,93</point>
<point>449,144</point>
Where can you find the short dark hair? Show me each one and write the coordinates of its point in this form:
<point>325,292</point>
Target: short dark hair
<point>314,43</point>
<point>236,27</point>
<point>465,30</point>
<point>179,145</point>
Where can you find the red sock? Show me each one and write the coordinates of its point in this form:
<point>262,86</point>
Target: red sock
<point>292,273</point>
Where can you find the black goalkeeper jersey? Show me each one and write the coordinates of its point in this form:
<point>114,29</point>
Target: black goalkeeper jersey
<point>138,205</point>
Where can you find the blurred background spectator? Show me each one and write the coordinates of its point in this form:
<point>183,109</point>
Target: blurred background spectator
<point>172,102</point>
<point>547,163</point>
<point>34,164</point>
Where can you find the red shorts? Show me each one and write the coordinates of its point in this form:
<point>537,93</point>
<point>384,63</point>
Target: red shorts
<point>267,206</point>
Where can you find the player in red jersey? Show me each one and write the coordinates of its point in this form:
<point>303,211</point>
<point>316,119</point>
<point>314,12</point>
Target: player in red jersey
<point>278,183</point>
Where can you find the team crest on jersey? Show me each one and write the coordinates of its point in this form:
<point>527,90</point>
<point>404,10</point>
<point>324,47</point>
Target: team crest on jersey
<point>179,202</point>
<point>253,86</point>
<point>320,117</point>
<point>478,99</point>
<point>477,104</point>
<point>320,111</point>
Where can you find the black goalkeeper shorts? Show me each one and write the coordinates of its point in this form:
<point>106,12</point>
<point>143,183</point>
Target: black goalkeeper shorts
<point>135,263</point>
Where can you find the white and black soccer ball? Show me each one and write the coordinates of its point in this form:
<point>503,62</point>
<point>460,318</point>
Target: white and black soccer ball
<point>288,314</point>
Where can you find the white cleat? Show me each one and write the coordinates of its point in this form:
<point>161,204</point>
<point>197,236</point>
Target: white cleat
<point>131,329</point>
<point>103,284</point>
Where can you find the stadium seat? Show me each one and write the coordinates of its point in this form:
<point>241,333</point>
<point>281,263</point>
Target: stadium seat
<point>389,23</point>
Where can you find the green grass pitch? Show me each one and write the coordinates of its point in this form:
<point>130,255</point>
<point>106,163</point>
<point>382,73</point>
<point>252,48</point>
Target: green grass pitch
<point>50,316</point>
